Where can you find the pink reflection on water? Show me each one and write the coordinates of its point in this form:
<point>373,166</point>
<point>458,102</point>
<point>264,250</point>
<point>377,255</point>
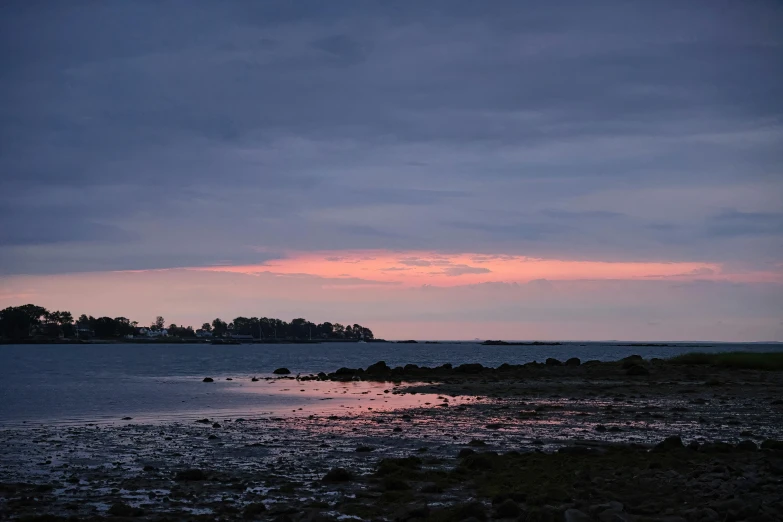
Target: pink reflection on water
<point>279,396</point>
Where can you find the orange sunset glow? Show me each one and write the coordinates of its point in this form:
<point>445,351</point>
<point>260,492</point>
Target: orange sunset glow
<point>414,268</point>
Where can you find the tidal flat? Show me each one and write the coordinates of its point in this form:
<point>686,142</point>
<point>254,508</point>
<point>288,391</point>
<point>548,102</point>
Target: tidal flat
<point>633,440</point>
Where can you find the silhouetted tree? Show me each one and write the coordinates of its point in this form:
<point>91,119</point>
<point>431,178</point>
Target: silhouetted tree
<point>219,327</point>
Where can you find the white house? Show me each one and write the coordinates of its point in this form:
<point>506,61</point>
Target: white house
<point>147,332</point>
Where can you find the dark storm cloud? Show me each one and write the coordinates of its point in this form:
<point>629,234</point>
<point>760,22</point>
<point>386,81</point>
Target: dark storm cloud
<point>443,125</point>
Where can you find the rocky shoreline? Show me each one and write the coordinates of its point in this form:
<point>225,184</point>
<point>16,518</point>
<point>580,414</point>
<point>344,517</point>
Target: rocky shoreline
<point>632,440</point>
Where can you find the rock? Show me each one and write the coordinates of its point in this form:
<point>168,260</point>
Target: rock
<point>551,361</point>
<point>190,475</point>
<point>347,371</point>
<point>573,361</point>
<point>575,450</point>
<point>378,368</point>
<point>637,370</point>
<point>364,449</point>
<point>507,509</point>
<point>216,425</point>
<point>203,421</point>
<point>611,505</point>
<point>464,452</point>
<point>717,447</point>
<point>574,515</point>
<point>229,379</point>
<point>772,444</point>
<point>208,379</point>
<point>253,510</point>
<point>127,418</point>
<point>479,442</point>
<point>397,429</point>
<point>282,371</point>
<point>600,427</point>
<point>411,513</point>
<point>670,443</point>
<point>470,510</point>
<point>119,509</point>
<point>322,376</point>
<point>338,475</point>
<point>777,402</point>
<point>494,426</point>
<point>212,437</point>
<point>395,484</point>
<point>703,515</point>
<point>631,360</point>
<point>431,488</point>
<point>746,445</point>
<point>469,368</point>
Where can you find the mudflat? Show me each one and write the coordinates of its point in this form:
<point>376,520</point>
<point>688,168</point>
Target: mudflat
<point>694,440</point>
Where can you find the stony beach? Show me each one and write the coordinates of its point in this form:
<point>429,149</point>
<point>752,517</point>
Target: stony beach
<point>634,440</point>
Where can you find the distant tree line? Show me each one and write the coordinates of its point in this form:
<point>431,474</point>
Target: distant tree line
<point>31,321</point>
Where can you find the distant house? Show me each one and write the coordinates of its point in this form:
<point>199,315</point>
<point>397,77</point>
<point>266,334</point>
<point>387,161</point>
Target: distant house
<point>147,332</point>
<point>204,334</point>
<point>83,332</point>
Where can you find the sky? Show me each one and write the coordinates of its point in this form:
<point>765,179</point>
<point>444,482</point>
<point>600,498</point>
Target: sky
<point>429,169</point>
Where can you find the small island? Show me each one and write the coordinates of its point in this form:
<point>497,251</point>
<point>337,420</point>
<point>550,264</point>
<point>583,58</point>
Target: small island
<point>521,343</point>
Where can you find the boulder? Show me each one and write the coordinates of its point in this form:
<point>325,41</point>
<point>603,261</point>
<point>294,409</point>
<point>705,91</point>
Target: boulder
<point>670,443</point>
<point>703,515</point>
<point>378,368</point>
<point>772,444</point>
<point>119,509</point>
<point>637,370</point>
<point>553,362</point>
<point>573,361</point>
<point>631,360</point>
<point>190,475</point>
<point>574,515</point>
<point>208,379</point>
<point>412,512</point>
<point>338,475</point>
<point>746,445</point>
<point>469,368</point>
<point>253,511</point>
<point>282,371</point>
<point>507,509</point>
<point>470,510</point>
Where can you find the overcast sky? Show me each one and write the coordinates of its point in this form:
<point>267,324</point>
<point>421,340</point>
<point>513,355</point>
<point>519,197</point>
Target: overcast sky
<point>434,169</point>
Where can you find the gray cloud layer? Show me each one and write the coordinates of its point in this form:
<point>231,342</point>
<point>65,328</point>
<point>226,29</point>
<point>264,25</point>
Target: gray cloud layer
<point>157,134</point>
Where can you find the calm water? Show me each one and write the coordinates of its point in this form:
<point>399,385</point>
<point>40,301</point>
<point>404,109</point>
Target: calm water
<point>92,383</point>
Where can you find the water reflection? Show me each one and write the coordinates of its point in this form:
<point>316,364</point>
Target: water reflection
<point>284,395</point>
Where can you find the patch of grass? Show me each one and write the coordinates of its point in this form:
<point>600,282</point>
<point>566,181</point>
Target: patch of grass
<point>740,360</point>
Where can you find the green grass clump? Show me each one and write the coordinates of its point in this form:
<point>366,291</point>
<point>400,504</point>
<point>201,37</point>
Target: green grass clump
<point>772,361</point>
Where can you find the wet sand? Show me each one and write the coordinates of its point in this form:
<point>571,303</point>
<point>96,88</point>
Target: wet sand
<point>529,442</point>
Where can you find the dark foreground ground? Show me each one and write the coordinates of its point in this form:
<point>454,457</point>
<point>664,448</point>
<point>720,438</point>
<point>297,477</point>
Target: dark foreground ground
<point>632,440</point>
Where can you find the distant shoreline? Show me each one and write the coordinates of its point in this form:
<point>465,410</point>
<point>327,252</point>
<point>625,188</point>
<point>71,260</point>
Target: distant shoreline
<point>177,340</point>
